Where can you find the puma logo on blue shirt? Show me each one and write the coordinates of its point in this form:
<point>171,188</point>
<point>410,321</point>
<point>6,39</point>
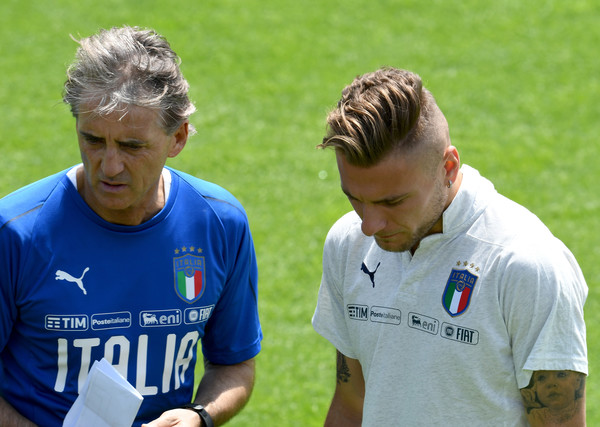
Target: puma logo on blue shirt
<point>63,275</point>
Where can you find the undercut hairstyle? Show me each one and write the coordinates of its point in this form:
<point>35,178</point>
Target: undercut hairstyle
<point>126,66</point>
<point>380,112</point>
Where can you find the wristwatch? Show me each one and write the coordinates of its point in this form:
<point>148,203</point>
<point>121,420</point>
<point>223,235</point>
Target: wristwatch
<point>199,409</point>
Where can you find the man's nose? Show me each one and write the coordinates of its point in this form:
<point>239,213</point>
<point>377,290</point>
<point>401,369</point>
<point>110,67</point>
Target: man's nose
<point>373,219</point>
<point>112,162</point>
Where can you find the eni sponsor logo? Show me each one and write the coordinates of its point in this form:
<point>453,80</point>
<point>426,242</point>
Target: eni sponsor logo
<point>423,323</point>
<point>121,319</point>
<point>157,318</point>
<point>459,334</point>
<point>392,316</point>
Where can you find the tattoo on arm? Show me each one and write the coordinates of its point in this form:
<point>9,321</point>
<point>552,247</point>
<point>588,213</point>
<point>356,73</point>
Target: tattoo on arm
<point>554,396</point>
<point>343,372</point>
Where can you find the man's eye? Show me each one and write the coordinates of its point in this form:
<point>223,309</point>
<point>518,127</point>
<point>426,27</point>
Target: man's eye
<point>92,139</point>
<point>131,144</point>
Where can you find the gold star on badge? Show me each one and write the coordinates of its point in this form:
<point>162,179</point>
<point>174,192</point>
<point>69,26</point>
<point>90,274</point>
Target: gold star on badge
<point>176,251</point>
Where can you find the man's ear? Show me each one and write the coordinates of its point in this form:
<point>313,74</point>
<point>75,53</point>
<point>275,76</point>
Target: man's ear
<point>451,163</point>
<point>180,137</point>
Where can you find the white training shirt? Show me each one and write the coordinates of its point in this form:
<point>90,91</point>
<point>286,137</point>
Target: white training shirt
<point>450,334</point>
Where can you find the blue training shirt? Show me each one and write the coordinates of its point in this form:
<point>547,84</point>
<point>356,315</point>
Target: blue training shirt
<point>75,288</point>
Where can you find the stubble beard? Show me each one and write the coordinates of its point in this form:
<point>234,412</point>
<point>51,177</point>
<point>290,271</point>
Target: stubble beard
<point>435,210</point>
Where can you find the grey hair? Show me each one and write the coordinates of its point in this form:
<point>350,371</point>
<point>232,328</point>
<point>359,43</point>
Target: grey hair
<point>126,66</point>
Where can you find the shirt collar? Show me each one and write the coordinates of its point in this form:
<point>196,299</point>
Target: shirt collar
<point>470,200</point>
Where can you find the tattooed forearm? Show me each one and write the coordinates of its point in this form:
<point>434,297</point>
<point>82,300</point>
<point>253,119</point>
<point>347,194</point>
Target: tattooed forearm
<point>555,397</point>
<point>343,372</point>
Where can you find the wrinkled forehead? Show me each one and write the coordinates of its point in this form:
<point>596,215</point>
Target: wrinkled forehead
<point>127,116</point>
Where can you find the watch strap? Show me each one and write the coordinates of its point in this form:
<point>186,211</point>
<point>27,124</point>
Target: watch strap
<point>199,409</point>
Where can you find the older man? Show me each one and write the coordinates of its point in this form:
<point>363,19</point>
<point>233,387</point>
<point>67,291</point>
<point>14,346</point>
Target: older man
<point>125,259</point>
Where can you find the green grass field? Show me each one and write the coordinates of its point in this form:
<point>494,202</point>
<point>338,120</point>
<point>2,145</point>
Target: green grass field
<point>518,81</point>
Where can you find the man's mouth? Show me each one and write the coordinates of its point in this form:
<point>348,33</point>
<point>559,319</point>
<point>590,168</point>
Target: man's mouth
<point>111,186</point>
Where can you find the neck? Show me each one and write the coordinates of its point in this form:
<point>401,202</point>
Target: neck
<point>453,190</point>
<point>132,215</point>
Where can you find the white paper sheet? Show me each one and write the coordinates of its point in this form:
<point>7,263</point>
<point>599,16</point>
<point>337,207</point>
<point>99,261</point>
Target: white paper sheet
<point>106,400</point>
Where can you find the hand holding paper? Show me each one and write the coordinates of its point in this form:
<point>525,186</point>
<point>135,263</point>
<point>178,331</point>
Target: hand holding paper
<point>106,400</point>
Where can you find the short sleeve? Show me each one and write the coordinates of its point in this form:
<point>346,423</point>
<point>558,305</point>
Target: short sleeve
<point>329,317</point>
<point>543,301</point>
<point>233,333</point>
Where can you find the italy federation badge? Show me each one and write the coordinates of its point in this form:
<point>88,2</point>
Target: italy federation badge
<point>189,276</point>
<point>459,289</point>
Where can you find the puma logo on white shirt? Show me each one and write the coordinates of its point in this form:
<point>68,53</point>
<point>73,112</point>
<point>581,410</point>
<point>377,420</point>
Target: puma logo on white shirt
<point>63,275</point>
